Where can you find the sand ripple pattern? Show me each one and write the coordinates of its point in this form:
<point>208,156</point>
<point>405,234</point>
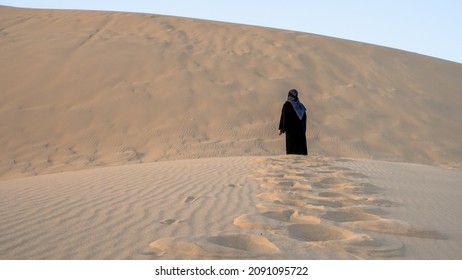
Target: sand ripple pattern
<point>283,207</point>
<point>115,212</point>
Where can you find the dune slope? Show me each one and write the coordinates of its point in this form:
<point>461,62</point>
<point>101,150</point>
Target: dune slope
<point>80,89</point>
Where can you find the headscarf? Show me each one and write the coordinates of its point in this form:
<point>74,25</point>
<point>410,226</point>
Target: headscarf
<point>298,106</point>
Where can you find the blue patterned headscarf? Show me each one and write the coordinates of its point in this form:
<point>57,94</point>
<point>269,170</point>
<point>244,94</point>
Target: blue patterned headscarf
<point>298,106</point>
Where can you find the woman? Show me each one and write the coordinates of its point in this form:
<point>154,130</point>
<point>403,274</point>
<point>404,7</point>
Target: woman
<point>293,124</point>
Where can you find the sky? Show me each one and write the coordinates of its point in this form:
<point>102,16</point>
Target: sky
<point>428,27</point>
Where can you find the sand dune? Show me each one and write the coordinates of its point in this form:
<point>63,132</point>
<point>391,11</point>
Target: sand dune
<point>82,89</point>
<point>195,104</point>
<point>282,207</point>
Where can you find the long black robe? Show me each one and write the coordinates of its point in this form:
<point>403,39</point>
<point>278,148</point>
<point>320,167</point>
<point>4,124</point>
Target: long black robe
<point>295,130</point>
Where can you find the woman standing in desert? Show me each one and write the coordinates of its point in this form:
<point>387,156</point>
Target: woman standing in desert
<point>293,124</point>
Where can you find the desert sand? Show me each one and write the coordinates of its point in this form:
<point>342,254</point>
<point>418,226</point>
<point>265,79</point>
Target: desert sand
<point>139,136</point>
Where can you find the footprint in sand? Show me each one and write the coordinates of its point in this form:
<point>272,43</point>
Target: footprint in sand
<point>170,221</point>
<point>347,216</point>
<point>342,160</point>
<point>244,242</point>
<point>338,195</point>
<point>367,189</point>
<point>273,187</point>
<point>273,220</point>
<point>286,183</point>
<point>284,199</point>
<point>312,176</point>
<point>367,247</point>
<point>225,246</point>
<point>333,181</point>
<point>290,215</point>
<point>190,199</point>
<point>339,168</point>
<point>326,203</point>
<point>317,232</point>
<point>381,202</point>
<point>287,186</point>
<point>300,200</point>
<point>358,207</point>
<point>354,175</point>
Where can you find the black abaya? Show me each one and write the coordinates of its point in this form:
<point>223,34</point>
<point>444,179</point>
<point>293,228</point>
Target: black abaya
<point>295,129</point>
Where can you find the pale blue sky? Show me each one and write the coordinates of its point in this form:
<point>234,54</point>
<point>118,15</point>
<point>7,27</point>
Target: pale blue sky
<point>429,27</point>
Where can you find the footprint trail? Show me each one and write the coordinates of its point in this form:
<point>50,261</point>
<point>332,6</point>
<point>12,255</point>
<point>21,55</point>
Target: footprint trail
<point>311,207</point>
